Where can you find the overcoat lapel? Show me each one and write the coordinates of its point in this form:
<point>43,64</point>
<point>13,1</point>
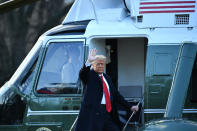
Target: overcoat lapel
<point>98,78</point>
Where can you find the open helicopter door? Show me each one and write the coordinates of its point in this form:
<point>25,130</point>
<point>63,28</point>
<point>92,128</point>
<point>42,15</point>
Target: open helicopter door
<point>190,107</point>
<point>174,118</point>
<point>56,96</point>
<point>160,65</point>
<point>185,69</point>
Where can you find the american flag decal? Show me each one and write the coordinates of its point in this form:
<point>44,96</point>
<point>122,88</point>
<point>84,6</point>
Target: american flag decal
<point>151,6</point>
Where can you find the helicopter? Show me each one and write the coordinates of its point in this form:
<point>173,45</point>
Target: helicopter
<point>151,50</point>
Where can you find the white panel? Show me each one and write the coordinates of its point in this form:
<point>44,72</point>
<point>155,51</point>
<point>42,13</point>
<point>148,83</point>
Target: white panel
<point>130,62</point>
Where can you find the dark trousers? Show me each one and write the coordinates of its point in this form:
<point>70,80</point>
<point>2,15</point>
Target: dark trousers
<point>106,123</point>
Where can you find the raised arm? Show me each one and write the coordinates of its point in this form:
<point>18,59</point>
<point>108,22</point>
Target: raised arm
<point>83,74</point>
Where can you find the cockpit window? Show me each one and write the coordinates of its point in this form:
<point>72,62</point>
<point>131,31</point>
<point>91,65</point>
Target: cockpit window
<point>27,82</point>
<point>59,74</point>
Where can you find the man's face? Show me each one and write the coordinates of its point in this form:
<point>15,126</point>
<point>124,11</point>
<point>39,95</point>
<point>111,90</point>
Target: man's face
<point>99,66</point>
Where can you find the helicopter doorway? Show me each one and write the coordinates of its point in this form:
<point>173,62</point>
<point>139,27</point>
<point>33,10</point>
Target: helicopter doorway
<point>127,69</point>
<point>126,58</point>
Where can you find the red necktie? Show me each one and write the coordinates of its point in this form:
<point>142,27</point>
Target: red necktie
<point>107,98</point>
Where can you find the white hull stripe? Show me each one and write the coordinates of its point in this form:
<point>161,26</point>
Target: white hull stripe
<point>35,113</point>
<point>71,112</point>
<point>150,111</point>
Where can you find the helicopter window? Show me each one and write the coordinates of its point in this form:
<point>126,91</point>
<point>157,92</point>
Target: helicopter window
<point>59,74</point>
<point>27,81</point>
<point>163,64</point>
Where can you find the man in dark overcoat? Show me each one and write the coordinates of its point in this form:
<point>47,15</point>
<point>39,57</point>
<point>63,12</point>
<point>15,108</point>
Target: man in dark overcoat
<point>99,105</point>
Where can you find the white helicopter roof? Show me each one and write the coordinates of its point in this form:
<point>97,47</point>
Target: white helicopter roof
<point>92,10</point>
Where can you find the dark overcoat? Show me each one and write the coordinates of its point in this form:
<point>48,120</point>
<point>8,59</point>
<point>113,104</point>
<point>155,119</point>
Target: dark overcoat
<point>88,119</point>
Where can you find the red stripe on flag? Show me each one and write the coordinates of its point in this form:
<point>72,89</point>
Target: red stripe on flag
<point>162,7</point>
<point>167,2</point>
<point>166,11</point>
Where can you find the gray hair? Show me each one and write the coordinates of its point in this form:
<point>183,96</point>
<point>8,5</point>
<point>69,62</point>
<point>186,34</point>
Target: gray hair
<point>99,57</point>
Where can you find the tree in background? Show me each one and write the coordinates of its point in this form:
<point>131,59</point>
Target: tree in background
<point>20,29</point>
